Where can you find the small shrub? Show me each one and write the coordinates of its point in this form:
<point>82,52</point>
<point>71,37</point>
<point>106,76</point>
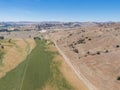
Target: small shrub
<point>70,34</point>
<point>75,43</point>
<point>89,39</point>
<point>10,40</point>
<point>98,53</point>
<point>81,41</point>
<point>2,47</point>
<point>71,46</point>
<point>117,46</point>
<point>88,52</point>
<point>118,78</point>
<point>106,51</point>
<point>93,54</point>
<point>85,56</point>
<point>82,36</point>
<point>76,50</point>
<point>37,38</point>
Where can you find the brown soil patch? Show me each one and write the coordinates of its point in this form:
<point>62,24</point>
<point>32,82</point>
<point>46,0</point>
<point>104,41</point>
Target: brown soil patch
<point>97,57</point>
<point>15,55</point>
<point>31,43</point>
<point>68,72</point>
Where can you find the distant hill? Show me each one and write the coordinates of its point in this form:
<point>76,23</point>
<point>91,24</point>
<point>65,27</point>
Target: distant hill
<point>51,25</point>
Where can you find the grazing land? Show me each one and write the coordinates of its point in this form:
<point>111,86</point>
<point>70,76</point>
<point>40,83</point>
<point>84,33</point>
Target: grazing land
<point>93,52</point>
<point>84,58</point>
<point>13,52</point>
<point>38,71</point>
<point>68,73</point>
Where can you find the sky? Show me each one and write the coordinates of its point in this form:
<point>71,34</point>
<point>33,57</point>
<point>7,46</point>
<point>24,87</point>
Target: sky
<point>60,10</point>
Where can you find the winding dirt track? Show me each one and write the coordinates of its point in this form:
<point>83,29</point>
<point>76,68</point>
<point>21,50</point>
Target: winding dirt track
<point>77,72</point>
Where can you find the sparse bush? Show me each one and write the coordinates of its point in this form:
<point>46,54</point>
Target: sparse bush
<point>118,78</point>
<point>86,37</point>
<point>75,43</point>
<point>2,47</point>
<point>83,30</point>
<point>89,39</point>
<point>98,53</point>
<point>71,46</point>
<point>93,54</point>
<point>117,28</point>
<point>70,34</point>
<point>51,43</point>
<point>85,56</point>
<point>82,36</point>
<point>117,46</point>
<point>76,50</point>
<point>88,52</point>
<point>10,40</point>
<point>81,41</point>
<point>106,51</point>
<point>37,38</point>
<point>99,36</point>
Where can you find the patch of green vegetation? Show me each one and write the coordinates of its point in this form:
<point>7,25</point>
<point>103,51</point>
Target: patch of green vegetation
<point>13,79</point>
<point>1,56</point>
<point>27,47</point>
<point>38,70</point>
<point>50,43</point>
<point>57,80</point>
<point>3,41</point>
<point>32,74</point>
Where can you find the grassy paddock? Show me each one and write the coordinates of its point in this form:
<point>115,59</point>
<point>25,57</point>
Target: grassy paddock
<point>1,56</point>
<point>57,80</point>
<point>38,69</point>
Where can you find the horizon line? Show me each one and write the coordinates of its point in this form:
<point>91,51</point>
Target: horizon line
<point>57,21</point>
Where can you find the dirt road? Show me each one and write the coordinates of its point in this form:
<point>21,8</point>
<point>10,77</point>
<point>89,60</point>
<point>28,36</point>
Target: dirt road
<point>78,73</point>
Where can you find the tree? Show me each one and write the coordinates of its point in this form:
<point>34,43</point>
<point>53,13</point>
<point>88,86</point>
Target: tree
<point>118,78</point>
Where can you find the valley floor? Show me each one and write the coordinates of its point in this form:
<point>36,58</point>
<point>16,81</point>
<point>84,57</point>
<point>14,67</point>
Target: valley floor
<point>43,69</point>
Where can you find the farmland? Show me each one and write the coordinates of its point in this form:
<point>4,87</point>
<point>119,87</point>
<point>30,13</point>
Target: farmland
<point>37,70</point>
